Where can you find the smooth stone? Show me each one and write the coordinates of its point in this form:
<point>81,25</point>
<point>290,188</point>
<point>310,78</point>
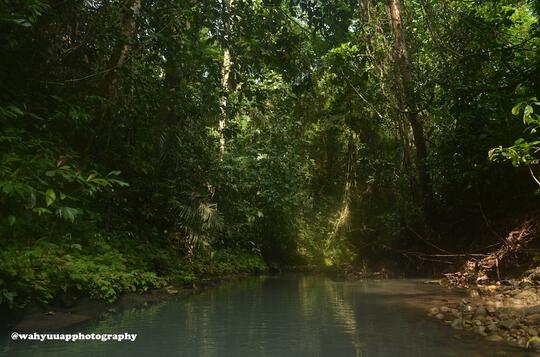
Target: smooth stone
<point>535,309</point>
<point>481,330</point>
<point>508,324</point>
<point>494,338</point>
<point>457,324</point>
<point>480,312</point>
<point>534,319</point>
<point>533,345</point>
<point>491,327</point>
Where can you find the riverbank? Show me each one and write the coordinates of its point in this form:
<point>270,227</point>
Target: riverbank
<point>507,312</point>
<point>503,291</point>
<point>288,314</point>
<point>52,285</point>
<point>51,318</point>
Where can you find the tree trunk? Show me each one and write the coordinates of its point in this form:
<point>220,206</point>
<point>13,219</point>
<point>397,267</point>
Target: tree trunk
<point>117,62</point>
<point>410,107</point>
<point>121,51</point>
<point>225,73</point>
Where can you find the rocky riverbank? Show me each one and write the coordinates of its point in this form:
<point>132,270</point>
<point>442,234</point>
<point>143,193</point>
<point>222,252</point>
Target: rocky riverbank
<point>507,311</point>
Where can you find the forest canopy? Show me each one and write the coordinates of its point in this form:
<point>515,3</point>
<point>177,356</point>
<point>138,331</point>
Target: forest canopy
<point>150,141</point>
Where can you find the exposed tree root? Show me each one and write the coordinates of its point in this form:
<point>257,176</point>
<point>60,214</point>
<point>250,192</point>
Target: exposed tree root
<point>504,260</point>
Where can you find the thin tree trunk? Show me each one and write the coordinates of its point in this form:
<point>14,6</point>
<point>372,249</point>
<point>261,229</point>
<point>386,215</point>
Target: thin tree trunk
<point>410,105</point>
<point>225,74</point>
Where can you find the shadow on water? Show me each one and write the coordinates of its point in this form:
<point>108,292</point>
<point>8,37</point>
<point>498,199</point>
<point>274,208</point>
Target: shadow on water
<point>287,315</point>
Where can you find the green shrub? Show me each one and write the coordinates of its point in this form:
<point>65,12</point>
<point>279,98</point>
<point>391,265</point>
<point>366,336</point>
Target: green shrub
<point>42,271</point>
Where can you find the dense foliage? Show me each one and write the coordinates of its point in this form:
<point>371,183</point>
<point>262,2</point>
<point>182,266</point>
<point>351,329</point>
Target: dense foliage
<point>148,142</point>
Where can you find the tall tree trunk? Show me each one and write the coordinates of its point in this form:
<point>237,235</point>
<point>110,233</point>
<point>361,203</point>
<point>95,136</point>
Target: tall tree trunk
<point>225,73</point>
<point>116,62</point>
<point>121,51</point>
<point>410,107</point>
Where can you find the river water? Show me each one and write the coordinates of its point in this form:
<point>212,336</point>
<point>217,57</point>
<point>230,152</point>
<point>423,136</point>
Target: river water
<point>287,315</point>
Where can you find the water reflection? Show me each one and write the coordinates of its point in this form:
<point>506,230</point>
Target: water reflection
<point>277,316</point>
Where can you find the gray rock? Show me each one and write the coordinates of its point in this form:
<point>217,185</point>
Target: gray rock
<point>533,319</point>
<point>457,324</point>
<point>480,312</point>
<point>533,309</point>
<point>534,345</point>
<point>508,324</point>
<point>481,330</point>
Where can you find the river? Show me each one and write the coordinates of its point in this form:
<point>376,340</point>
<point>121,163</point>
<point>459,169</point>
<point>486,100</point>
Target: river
<point>286,315</point>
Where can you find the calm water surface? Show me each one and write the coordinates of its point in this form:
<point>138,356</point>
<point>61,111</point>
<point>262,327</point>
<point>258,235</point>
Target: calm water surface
<point>279,316</point>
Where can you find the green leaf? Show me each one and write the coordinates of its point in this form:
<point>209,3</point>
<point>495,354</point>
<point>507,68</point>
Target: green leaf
<point>50,197</point>
<point>68,213</point>
<point>41,210</point>
<point>11,220</point>
<point>516,108</point>
<point>32,200</point>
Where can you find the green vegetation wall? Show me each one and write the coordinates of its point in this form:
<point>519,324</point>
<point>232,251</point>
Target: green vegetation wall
<point>166,131</point>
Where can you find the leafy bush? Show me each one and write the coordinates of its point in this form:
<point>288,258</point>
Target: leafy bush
<point>43,271</point>
<point>221,263</point>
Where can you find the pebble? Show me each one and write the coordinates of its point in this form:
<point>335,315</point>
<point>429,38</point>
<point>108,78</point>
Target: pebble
<point>502,312</point>
<point>481,330</point>
<point>533,345</point>
<point>457,324</point>
<point>494,338</point>
<point>534,319</point>
<point>508,324</point>
<point>480,312</point>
